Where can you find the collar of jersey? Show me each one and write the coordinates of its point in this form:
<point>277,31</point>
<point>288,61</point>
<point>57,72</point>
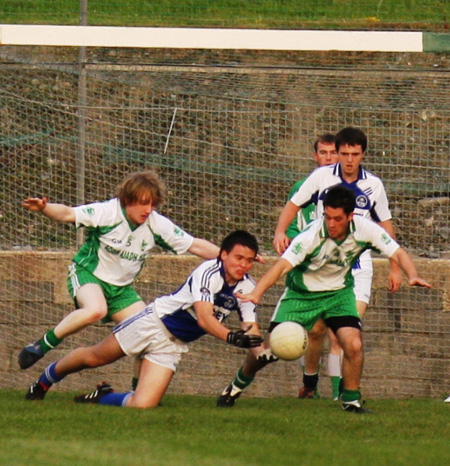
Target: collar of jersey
<point>337,170</point>
<point>130,223</point>
<point>324,231</point>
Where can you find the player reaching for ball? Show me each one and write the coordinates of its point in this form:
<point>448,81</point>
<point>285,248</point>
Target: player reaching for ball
<point>120,234</point>
<point>160,333</point>
<point>318,266</point>
<point>371,202</point>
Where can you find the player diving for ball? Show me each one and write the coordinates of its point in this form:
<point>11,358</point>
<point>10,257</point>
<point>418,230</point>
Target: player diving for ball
<point>160,333</point>
<point>318,266</point>
<point>120,234</point>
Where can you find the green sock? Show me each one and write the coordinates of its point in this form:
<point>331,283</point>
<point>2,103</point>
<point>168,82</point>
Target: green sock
<point>49,341</point>
<point>350,395</point>
<point>335,381</point>
<point>134,382</point>
<point>241,380</point>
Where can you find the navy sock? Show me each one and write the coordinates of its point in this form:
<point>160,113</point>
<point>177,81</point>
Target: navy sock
<point>49,376</point>
<point>115,399</point>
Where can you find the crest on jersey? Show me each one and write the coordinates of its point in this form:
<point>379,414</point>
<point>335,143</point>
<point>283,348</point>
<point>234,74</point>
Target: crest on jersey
<point>361,201</point>
<point>205,291</point>
<point>298,248</point>
<point>89,211</point>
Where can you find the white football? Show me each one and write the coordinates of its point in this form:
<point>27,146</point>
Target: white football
<point>288,341</point>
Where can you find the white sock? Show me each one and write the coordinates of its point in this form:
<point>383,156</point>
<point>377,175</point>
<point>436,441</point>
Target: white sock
<point>334,365</point>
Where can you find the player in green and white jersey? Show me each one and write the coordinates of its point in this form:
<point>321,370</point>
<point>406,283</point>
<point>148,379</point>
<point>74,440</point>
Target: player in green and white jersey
<point>318,266</point>
<point>371,202</point>
<point>120,234</point>
<point>325,154</point>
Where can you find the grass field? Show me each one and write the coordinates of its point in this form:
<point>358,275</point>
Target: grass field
<point>192,431</point>
<point>231,13</point>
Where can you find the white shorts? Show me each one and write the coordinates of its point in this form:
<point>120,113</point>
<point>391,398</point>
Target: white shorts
<point>143,334</point>
<point>363,274</point>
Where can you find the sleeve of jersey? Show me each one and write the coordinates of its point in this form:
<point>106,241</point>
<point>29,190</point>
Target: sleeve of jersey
<point>298,249</point>
<point>204,282</point>
<point>168,235</point>
<point>305,193</point>
<point>247,311</point>
<point>94,215</point>
<point>379,238</point>
<point>382,203</point>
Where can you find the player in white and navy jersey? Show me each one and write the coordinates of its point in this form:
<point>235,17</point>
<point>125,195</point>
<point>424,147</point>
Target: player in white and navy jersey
<point>159,334</point>
<point>119,236</point>
<point>371,202</point>
<point>318,266</point>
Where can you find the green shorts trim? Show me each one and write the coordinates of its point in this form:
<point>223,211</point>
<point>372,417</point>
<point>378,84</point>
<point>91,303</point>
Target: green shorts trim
<point>308,307</point>
<point>117,297</point>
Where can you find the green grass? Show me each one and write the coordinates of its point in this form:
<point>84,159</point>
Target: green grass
<point>232,13</point>
<point>192,431</point>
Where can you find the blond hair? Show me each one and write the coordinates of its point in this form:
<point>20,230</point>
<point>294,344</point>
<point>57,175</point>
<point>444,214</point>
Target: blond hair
<point>142,187</point>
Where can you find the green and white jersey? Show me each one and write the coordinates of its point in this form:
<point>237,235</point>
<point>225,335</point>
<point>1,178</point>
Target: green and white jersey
<point>115,250</point>
<point>305,215</point>
<point>323,264</point>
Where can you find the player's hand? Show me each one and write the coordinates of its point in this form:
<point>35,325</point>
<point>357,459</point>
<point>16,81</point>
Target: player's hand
<point>419,282</point>
<point>244,340</point>
<point>266,356</point>
<point>248,298</point>
<point>35,204</point>
<point>280,243</point>
<point>395,280</point>
<point>260,259</point>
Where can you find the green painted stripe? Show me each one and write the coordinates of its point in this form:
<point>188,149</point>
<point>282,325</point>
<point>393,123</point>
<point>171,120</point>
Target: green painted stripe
<point>436,42</point>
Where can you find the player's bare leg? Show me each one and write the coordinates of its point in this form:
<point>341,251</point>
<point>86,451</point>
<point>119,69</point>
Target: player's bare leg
<point>352,364</point>
<point>105,352</point>
<point>153,383</point>
<point>316,339</point>
<point>93,307</point>
<point>334,365</point>
<point>255,360</point>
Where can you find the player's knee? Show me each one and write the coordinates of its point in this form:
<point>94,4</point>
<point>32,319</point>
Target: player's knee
<point>94,315</point>
<point>86,357</point>
<point>354,347</point>
<point>316,337</point>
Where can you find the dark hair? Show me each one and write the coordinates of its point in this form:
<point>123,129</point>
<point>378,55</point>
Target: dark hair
<point>242,237</point>
<point>326,138</point>
<point>351,137</point>
<point>141,187</point>
<point>340,196</point>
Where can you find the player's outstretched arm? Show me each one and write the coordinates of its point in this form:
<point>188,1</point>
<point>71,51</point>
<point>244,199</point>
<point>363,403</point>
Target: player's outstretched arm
<point>59,212</point>
<point>278,270</point>
<point>407,265</point>
<point>280,240</point>
<point>395,272</point>
<point>208,322</point>
<point>203,248</point>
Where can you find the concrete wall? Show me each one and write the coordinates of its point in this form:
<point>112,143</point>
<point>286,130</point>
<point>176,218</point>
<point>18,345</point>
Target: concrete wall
<point>406,334</point>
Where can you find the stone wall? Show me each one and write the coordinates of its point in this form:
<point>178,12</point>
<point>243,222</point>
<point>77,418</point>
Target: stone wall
<point>406,334</point>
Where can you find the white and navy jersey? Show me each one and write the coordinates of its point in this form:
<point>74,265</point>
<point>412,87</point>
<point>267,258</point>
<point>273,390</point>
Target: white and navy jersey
<point>323,264</point>
<point>115,250</point>
<point>206,283</point>
<point>371,199</point>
